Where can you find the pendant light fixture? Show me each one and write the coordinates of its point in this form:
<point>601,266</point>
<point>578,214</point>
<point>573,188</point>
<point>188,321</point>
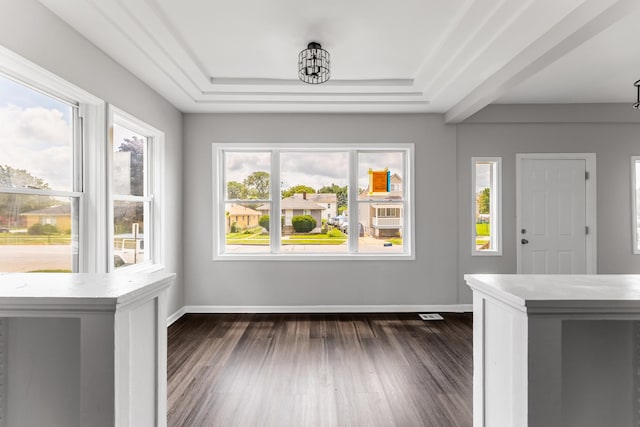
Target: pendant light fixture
<point>637,104</point>
<point>314,64</point>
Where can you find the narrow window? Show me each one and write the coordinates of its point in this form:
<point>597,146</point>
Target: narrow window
<point>486,206</point>
<point>134,197</point>
<point>40,180</point>
<point>635,202</point>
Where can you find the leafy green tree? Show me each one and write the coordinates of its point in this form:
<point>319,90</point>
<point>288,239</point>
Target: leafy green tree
<point>236,190</point>
<point>342,194</point>
<point>135,146</point>
<point>257,185</point>
<point>484,201</point>
<point>298,189</point>
<point>12,205</point>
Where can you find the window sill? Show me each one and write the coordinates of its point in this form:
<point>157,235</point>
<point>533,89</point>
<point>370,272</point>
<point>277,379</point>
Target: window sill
<point>140,268</point>
<point>315,257</point>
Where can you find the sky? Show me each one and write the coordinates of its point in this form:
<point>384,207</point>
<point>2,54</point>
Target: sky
<point>35,134</point>
<point>483,173</point>
<point>315,169</point>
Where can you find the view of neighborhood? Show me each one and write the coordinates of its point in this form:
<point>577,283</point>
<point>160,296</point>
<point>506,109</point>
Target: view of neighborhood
<point>484,179</point>
<point>314,213</point>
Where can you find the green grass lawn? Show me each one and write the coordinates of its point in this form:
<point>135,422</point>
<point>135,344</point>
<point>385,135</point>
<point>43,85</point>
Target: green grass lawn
<point>483,229</point>
<point>298,239</point>
<point>27,239</point>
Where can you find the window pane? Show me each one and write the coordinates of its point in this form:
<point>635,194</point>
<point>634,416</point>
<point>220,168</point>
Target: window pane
<point>37,233</point>
<point>129,151</point>
<point>36,139</point>
<point>485,206</point>
<point>380,176</point>
<point>314,195</point>
<point>129,233</point>
<point>247,227</point>
<point>381,228</point>
<point>247,175</point>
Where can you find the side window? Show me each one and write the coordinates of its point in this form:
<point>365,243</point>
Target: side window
<point>41,187</point>
<point>635,202</point>
<point>486,204</point>
<point>134,192</point>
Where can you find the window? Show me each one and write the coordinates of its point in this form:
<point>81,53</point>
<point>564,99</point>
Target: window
<point>41,188</point>
<point>635,202</point>
<point>324,201</point>
<point>134,197</point>
<point>486,205</point>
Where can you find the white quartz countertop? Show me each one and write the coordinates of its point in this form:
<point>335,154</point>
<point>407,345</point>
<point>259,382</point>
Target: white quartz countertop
<point>588,292</point>
<point>84,290</point>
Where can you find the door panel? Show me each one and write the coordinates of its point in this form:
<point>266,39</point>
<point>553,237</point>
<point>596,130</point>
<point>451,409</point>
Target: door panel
<point>553,216</point>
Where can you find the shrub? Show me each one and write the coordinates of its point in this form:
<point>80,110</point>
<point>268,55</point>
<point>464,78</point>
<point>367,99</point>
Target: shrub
<point>264,222</point>
<point>234,227</point>
<point>35,229</point>
<point>40,229</point>
<point>334,232</point>
<point>303,223</point>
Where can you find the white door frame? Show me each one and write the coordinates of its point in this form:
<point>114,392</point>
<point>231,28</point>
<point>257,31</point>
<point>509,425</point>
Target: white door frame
<point>591,214</point>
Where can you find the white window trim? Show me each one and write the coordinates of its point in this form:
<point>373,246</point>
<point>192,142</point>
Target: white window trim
<point>634,203</point>
<point>91,111</point>
<point>496,208</point>
<point>155,164</point>
<point>218,194</point>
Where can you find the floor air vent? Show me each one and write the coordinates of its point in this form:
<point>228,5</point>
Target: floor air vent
<point>431,316</point>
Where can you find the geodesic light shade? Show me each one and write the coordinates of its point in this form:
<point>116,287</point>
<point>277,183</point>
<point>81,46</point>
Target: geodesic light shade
<point>314,64</point>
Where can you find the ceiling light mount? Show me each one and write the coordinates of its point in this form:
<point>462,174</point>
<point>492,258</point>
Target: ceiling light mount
<point>314,64</point>
<point>637,104</point>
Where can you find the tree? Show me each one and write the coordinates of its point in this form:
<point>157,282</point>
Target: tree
<point>484,201</point>
<point>264,222</point>
<point>342,194</point>
<point>12,205</point>
<point>297,189</point>
<point>135,146</point>
<point>236,190</point>
<point>257,185</point>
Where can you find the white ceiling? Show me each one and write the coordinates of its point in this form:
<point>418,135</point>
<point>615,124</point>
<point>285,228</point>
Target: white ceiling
<point>453,57</point>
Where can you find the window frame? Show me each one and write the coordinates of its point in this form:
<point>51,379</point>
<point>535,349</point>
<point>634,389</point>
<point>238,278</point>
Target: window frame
<point>153,189</point>
<point>219,199</point>
<point>635,222</point>
<point>496,207</point>
<point>88,136</point>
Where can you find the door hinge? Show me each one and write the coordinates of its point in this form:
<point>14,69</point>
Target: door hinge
<point>586,175</point>
<point>586,229</point>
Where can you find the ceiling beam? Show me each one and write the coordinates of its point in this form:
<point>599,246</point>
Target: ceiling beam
<point>576,28</point>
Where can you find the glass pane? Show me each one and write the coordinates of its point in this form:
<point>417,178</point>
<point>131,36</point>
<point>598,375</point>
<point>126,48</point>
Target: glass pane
<point>247,175</point>
<point>381,227</point>
<point>247,227</point>
<point>485,172</point>
<point>129,151</point>
<point>129,238</point>
<point>314,196</point>
<point>37,233</point>
<point>380,176</point>
<point>637,193</point>
<point>36,139</point>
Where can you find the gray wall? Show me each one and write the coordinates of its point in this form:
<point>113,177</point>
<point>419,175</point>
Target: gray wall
<point>32,31</point>
<point>506,130</point>
<point>430,279</point>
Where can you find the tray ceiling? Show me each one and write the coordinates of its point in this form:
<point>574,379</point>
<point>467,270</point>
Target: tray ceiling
<point>452,57</point>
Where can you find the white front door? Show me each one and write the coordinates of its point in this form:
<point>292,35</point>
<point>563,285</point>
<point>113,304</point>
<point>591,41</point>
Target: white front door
<point>553,234</point>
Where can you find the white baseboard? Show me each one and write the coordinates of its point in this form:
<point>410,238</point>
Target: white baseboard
<point>444,308</point>
<point>175,316</point>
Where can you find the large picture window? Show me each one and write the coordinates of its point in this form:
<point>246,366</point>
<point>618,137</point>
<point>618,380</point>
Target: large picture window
<point>323,201</point>
<point>486,205</point>
<point>635,202</point>
<point>41,184</point>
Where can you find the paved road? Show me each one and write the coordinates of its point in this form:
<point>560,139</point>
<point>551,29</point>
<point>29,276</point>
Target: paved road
<point>35,257</point>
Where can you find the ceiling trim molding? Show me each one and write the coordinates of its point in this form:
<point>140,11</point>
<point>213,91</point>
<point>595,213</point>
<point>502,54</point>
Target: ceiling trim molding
<point>580,25</point>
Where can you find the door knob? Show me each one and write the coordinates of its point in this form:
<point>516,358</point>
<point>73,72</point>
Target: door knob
<point>524,241</point>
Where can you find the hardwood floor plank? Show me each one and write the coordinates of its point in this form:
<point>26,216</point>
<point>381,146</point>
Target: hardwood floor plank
<point>319,370</point>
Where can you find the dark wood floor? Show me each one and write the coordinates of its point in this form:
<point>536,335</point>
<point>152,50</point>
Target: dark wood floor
<point>320,370</point>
